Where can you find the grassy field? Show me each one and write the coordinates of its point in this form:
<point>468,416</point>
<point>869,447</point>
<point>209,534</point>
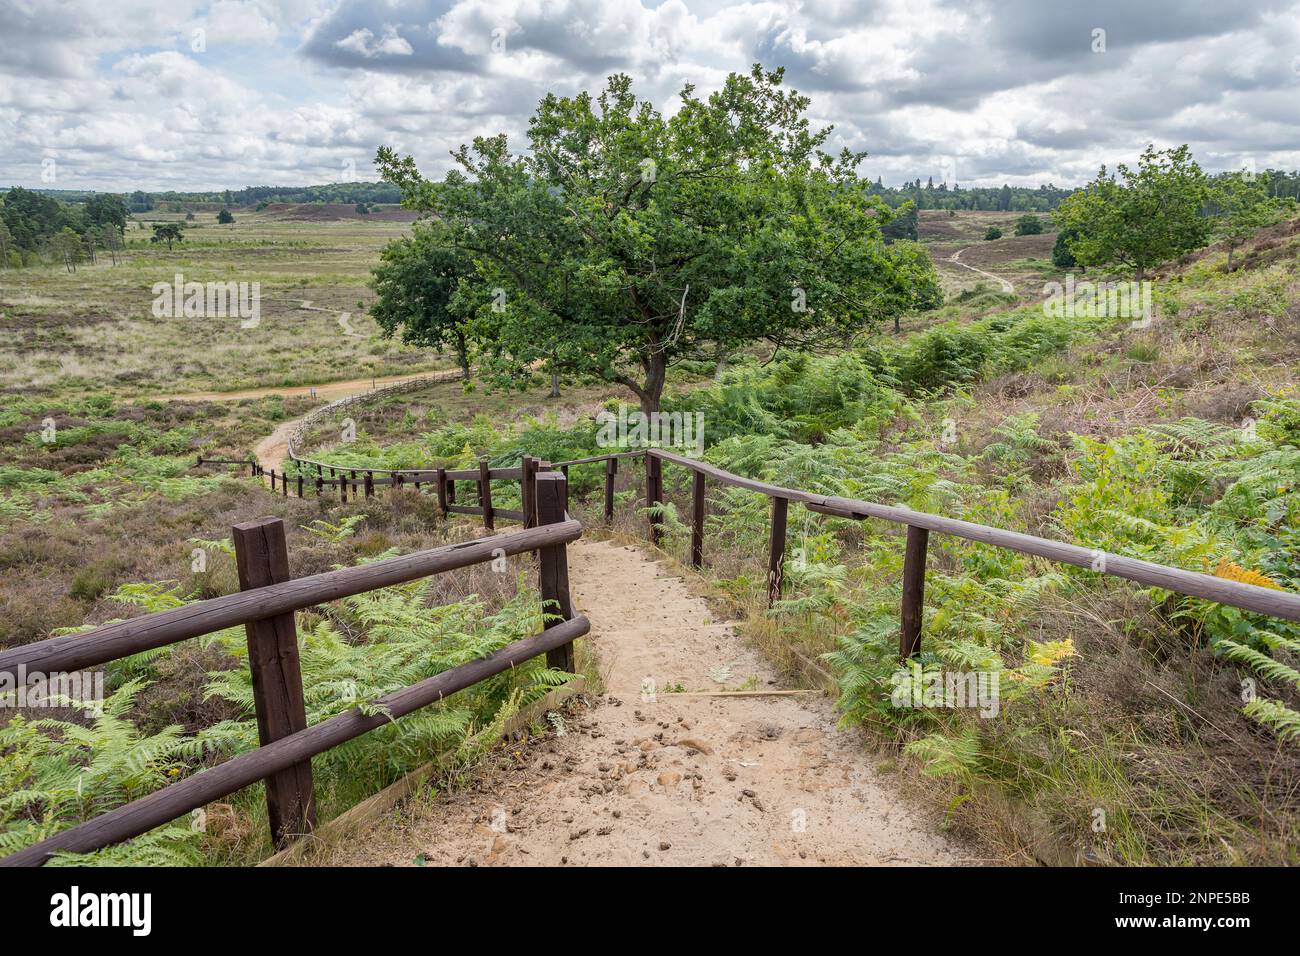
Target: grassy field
<point>68,334</point>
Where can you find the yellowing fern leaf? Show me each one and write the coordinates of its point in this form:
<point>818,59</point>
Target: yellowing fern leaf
<point>1235,572</point>
<point>1051,652</point>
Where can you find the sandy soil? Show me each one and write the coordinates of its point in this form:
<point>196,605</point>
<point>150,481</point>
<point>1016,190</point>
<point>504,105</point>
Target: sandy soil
<point>328,391</point>
<point>272,450</point>
<point>665,778</point>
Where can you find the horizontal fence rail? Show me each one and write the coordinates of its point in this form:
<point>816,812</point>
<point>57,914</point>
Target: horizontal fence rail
<point>112,641</point>
<point>1249,597</point>
<point>177,799</point>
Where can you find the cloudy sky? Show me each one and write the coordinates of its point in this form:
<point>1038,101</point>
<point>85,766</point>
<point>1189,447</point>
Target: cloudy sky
<point>174,94</point>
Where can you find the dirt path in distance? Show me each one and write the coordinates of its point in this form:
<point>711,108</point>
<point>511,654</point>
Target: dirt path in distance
<point>955,258</point>
<point>669,778</point>
<point>327,391</point>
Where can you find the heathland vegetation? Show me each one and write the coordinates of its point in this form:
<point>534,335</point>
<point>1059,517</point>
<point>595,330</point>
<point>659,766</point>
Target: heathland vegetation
<point>713,262</point>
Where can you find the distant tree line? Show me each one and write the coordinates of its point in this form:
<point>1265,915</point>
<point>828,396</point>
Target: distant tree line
<point>350,194</point>
<point>989,198</point>
<point>34,225</point>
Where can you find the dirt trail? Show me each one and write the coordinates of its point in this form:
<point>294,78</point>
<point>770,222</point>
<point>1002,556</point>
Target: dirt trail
<point>272,450</point>
<point>670,779</point>
<point>956,259</point>
<point>327,391</point>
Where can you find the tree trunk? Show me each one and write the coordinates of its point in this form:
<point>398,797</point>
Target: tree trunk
<point>462,354</point>
<point>656,370</point>
<point>555,385</point>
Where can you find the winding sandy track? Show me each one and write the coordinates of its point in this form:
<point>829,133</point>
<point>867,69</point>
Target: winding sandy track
<point>669,778</point>
<point>325,391</point>
<point>956,259</point>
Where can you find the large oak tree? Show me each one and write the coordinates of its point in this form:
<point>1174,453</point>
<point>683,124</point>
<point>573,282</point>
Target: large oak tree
<point>624,241</point>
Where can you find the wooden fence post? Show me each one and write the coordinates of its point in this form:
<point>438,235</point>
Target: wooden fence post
<point>654,494</point>
<point>262,558</point>
<point>370,484</point>
<point>553,573</point>
<point>273,479</point>
<point>319,485</point>
<point>284,484</point>
<point>697,520</point>
<point>300,484</point>
<point>343,488</point>
<point>451,492</point>
<point>611,469</point>
<point>776,550</point>
<point>526,491</point>
<point>909,635</point>
<point>485,493</point>
<point>442,491</point>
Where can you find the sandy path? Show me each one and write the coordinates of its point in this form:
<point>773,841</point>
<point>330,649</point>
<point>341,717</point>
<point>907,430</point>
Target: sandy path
<point>272,450</point>
<point>670,779</point>
<point>327,391</point>
<point>955,258</point>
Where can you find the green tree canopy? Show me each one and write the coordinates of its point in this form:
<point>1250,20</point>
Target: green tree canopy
<point>167,232</point>
<point>225,217</point>
<point>417,282</point>
<point>625,241</point>
<point>1243,204</point>
<point>1062,258</point>
<point>1029,225</point>
<point>107,209</point>
<point>33,219</point>
<point>1139,218</point>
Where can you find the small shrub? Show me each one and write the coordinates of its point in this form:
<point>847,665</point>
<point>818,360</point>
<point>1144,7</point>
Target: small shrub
<point>1029,225</point>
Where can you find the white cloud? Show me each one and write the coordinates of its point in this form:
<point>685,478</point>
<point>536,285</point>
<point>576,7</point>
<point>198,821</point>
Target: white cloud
<point>291,91</point>
<point>363,42</point>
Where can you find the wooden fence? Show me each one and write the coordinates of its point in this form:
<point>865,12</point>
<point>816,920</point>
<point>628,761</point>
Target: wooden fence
<point>1275,603</point>
<point>265,605</point>
<point>1249,597</point>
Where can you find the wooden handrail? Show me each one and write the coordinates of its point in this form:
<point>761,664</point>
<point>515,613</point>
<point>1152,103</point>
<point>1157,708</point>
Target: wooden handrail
<point>103,644</point>
<point>1249,597</point>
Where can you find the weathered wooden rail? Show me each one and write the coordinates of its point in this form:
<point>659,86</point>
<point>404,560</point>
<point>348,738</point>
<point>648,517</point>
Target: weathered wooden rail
<point>265,605</point>
<point>1249,597</point>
